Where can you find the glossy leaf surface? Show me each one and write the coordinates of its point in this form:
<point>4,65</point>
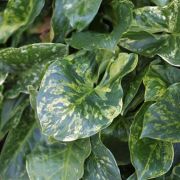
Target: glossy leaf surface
<point>151,158</point>
<point>101,163</point>
<point>70,107</point>
<point>28,64</point>
<point>58,160</point>
<point>17,15</point>
<point>161,121</point>
<point>13,158</point>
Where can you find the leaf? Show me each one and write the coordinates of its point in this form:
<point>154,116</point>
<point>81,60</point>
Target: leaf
<point>11,113</point>
<point>3,77</point>
<point>142,42</point>
<point>151,158</point>
<point>58,160</point>
<point>28,64</point>
<point>161,2</point>
<point>18,15</point>
<point>19,143</point>
<point>161,121</point>
<point>132,177</point>
<point>71,106</point>
<point>60,25</point>
<point>132,89</point>
<point>176,171</point>
<point>80,12</point>
<point>158,79</point>
<point>156,20</point>
<point>151,19</point>
<point>101,163</point>
<point>93,40</point>
<point>169,51</point>
<point>115,138</point>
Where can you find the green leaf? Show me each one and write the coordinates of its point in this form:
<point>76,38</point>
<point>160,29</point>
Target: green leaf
<point>142,42</point>
<point>158,79</point>
<point>115,138</point>
<point>101,163</point>
<point>176,171</point>
<point>132,88</point>
<point>132,177</point>
<point>28,64</point>
<point>93,40</point>
<point>3,77</point>
<point>151,19</point>
<point>161,2</point>
<point>80,12</point>
<point>11,113</point>
<point>1,95</point>
<point>151,158</point>
<point>18,14</point>
<point>19,143</point>
<point>170,50</point>
<point>71,106</point>
<point>60,26</point>
<point>58,160</point>
<point>161,121</point>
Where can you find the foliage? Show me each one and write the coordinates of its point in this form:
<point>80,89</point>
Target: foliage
<point>90,89</point>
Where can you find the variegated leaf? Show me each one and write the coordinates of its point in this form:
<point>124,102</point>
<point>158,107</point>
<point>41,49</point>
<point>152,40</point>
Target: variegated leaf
<point>161,121</point>
<point>71,106</point>
<point>17,15</point>
<point>20,142</point>
<point>58,160</point>
<point>142,42</point>
<point>151,158</point>
<point>158,79</point>
<point>28,64</point>
<point>170,50</point>
<point>101,164</point>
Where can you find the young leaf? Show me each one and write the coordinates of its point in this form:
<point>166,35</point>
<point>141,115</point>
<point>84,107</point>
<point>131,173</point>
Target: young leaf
<point>151,158</point>
<point>101,163</point>
<point>28,64</point>
<point>18,14</point>
<point>161,121</point>
<point>70,106</point>
<point>58,160</point>
<point>19,143</point>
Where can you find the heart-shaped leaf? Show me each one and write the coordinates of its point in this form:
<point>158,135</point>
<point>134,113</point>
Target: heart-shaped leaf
<point>71,106</point>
